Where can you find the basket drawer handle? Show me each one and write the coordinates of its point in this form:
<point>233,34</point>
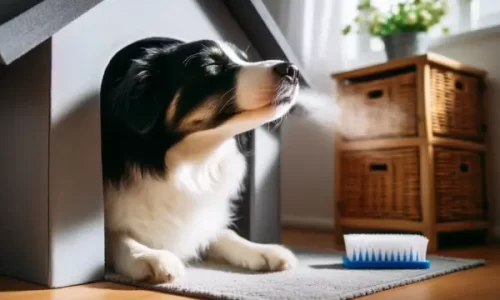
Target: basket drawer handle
<point>378,167</point>
<point>464,168</point>
<point>375,94</point>
<point>459,85</point>
<point>484,128</point>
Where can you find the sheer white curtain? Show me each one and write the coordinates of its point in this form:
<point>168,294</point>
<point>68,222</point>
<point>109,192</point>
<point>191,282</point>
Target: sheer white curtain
<point>313,30</point>
<point>312,27</point>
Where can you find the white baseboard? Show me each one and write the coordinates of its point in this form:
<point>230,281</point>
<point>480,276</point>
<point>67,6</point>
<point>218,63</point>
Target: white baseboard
<point>308,222</point>
<point>328,223</point>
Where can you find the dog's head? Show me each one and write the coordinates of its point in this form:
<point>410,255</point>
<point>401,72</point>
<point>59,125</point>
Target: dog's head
<point>183,88</point>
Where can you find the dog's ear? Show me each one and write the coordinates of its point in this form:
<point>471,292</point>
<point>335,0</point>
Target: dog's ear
<point>134,100</point>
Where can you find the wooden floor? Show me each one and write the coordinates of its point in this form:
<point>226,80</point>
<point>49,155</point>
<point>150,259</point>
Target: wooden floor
<point>480,283</point>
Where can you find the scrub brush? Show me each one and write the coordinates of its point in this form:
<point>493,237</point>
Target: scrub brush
<point>385,251</point>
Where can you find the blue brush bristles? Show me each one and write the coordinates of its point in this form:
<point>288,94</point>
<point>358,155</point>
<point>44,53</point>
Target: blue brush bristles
<point>385,251</point>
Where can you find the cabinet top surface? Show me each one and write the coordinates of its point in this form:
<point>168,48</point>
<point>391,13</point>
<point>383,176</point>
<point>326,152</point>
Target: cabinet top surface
<point>427,58</point>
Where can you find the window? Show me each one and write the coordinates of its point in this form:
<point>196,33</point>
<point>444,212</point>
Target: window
<point>485,13</point>
<point>463,16</point>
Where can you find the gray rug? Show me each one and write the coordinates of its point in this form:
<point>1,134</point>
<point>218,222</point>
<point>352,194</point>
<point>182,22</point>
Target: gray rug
<point>319,275</point>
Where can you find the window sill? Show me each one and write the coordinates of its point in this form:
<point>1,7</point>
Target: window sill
<point>373,57</point>
<point>466,37</point>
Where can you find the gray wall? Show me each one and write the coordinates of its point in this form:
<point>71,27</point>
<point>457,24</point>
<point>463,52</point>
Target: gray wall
<point>12,8</point>
<point>27,23</point>
<point>24,153</point>
<point>51,180</point>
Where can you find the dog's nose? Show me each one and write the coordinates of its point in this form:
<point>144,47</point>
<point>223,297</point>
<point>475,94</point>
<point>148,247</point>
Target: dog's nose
<point>286,69</point>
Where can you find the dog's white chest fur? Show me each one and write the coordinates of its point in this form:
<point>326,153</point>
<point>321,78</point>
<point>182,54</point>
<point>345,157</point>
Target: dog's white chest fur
<point>184,212</point>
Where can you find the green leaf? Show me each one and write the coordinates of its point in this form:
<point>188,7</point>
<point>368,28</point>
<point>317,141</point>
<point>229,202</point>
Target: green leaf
<point>366,4</point>
<point>346,30</point>
<point>404,16</point>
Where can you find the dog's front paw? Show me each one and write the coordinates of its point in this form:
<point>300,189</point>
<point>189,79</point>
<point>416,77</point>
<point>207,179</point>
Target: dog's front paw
<point>271,258</point>
<point>165,267</point>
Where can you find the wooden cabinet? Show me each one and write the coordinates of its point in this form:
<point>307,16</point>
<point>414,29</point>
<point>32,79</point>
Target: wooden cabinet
<point>411,149</point>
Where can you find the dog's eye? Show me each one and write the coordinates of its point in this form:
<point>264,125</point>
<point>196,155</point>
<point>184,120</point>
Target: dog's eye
<point>216,62</point>
<point>215,66</point>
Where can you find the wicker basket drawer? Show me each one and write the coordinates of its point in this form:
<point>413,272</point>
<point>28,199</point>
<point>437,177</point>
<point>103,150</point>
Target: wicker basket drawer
<point>382,108</point>
<point>457,110</point>
<point>459,180</point>
<point>381,184</point>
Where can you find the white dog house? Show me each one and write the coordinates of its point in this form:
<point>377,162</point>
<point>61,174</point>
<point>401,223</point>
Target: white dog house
<point>54,53</point>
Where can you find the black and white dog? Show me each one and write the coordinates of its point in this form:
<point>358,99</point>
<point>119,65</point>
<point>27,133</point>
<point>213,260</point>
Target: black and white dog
<point>172,167</point>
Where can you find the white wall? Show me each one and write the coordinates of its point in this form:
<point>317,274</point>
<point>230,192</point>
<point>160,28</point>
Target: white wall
<point>307,164</point>
<point>481,49</point>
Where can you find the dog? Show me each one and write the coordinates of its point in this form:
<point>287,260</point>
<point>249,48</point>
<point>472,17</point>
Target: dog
<point>172,169</point>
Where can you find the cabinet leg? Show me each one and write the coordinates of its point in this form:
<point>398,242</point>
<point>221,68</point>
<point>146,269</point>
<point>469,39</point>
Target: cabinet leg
<point>338,237</point>
<point>490,236</point>
<point>433,241</point>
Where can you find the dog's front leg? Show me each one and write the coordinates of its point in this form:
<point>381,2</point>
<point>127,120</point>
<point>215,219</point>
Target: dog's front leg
<point>240,252</point>
<point>139,262</point>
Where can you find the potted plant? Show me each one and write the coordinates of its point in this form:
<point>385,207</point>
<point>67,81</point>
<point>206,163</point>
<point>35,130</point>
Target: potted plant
<point>404,29</point>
